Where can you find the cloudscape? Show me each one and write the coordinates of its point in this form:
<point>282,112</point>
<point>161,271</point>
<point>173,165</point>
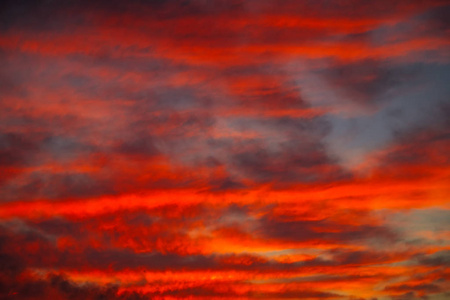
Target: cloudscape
<point>225,149</point>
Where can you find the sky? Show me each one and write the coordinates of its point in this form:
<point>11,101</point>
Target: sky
<point>212,149</point>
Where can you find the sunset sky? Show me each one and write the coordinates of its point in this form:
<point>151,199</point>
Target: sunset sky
<point>225,149</point>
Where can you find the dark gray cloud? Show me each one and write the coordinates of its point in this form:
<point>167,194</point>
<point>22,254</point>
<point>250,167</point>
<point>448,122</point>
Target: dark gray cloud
<point>143,147</point>
<point>225,184</point>
<point>323,230</point>
<point>367,82</point>
<point>57,285</point>
<point>440,258</point>
<point>47,185</point>
<point>16,149</point>
<point>415,105</point>
<point>227,291</point>
<point>427,288</point>
<point>59,226</point>
<point>295,153</point>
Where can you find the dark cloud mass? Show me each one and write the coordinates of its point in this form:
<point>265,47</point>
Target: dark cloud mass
<point>243,149</point>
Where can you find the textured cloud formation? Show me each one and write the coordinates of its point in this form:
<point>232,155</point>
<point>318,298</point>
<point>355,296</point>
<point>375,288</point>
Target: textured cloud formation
<point>224,149</point>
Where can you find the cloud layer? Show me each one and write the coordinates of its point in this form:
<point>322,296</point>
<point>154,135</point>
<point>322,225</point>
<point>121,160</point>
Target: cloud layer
<point>224,149</point>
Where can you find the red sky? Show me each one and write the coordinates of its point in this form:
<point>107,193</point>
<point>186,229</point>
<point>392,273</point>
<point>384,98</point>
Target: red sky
<point>225,149</point>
